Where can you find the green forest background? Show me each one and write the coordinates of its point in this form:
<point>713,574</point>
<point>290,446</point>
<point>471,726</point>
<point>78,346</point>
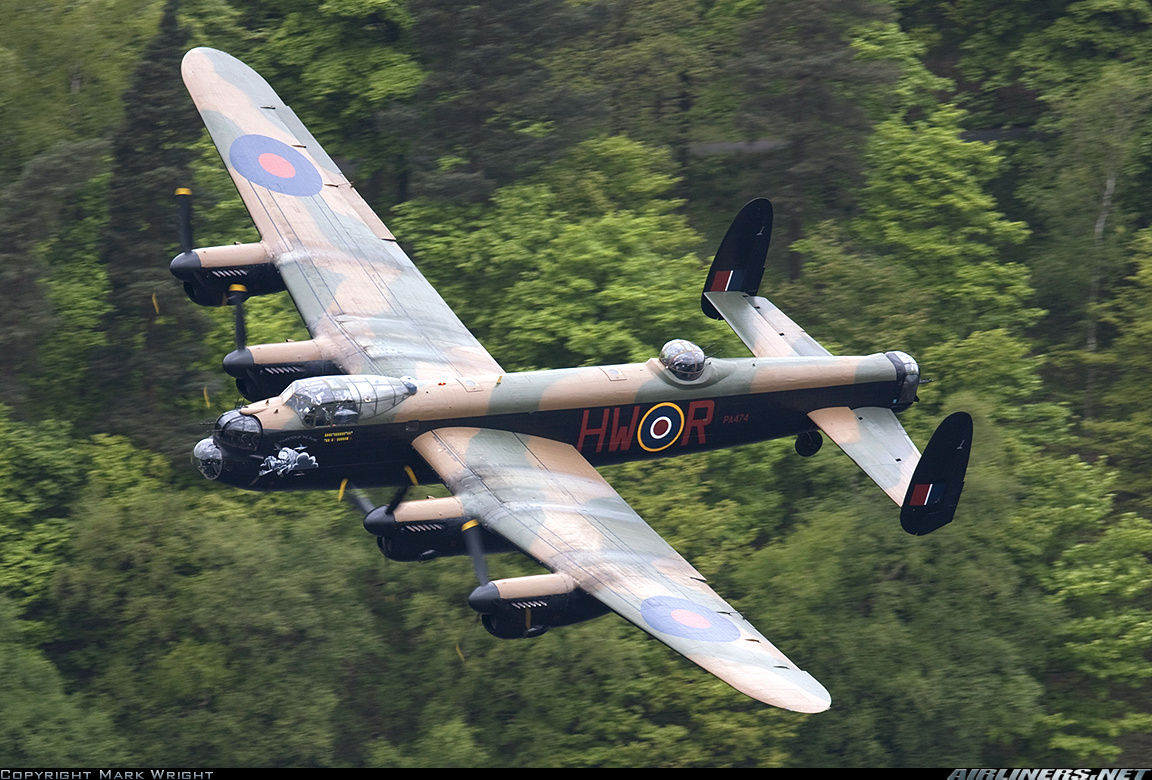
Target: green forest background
<point>967,180</point>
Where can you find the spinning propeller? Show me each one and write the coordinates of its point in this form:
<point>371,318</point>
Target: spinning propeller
<point>184,207</point>
<point>355,497</point>
<point>474,541</point>
<point>237,293</point>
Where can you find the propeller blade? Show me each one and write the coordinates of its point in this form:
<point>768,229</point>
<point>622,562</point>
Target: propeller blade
<point>376,518</point>
<point>474,541</point>
<point>237,294</point>
<point>396,499</point>
<point>355,497</point>
<point>184,210</point>
<point>471,530</point>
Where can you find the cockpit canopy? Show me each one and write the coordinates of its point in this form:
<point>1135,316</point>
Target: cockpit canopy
<point>344,400</point>
<point>683,358</point>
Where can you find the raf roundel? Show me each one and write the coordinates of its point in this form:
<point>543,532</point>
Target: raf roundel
<point>660,427</point>
<point>275,165</point>
<point>684,618</point>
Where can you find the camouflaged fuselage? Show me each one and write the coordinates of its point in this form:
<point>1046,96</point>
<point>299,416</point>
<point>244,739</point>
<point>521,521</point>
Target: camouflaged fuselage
<point>393,389</point>
<point>609,414</point>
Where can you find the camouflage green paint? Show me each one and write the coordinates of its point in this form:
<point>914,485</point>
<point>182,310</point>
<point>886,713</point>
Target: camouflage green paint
<point>580,388</point>
<point>544,497</point>
<point>429,395</point>
<point>368,308</point>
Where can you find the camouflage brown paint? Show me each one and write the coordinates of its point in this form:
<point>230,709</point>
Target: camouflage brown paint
<point>515,449</point>
<point>545,498</point>
<point>368,308</point>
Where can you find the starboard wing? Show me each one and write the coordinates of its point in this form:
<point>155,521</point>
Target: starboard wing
<point>542,496</point>
<point>366,305</point>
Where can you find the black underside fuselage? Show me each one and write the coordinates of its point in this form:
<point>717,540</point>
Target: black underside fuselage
<point>377,455</point>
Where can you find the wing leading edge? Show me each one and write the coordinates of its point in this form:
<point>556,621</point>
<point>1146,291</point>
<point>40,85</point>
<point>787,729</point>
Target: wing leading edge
<point>542,496</point>
<point>366,305</point>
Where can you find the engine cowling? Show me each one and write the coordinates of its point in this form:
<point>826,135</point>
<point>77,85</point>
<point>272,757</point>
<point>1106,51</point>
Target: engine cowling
<point>425,529</point>
<point>265,370</point>
<point>524,607</point>
<point>208,273</point>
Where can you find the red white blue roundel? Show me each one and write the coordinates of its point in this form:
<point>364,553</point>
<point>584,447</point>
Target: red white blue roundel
<point>660,427</point>
<point>275,165</point>
<point>684,618</point>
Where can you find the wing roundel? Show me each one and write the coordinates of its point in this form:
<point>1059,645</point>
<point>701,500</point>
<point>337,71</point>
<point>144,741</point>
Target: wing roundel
<point>368,308</point>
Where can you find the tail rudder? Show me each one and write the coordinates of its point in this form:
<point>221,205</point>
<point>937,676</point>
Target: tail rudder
<point>739,263</point>
<point>935,488</point>
<point>733,281</point>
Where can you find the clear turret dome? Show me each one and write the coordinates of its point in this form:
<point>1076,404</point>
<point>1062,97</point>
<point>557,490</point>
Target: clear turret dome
<point>683,358</point>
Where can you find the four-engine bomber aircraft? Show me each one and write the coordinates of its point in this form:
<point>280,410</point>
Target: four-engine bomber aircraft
<point>393,390</point>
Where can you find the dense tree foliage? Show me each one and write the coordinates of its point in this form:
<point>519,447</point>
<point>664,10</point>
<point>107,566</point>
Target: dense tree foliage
<point>560,171</point>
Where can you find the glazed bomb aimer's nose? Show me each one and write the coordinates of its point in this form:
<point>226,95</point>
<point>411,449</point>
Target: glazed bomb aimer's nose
<point>207,458</point>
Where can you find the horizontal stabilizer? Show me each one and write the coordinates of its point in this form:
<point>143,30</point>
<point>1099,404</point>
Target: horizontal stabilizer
<point>733,281</point>
<point>876,441</point>
<point>936,484</point>
<point>764,329</point>
<point>739,263</point>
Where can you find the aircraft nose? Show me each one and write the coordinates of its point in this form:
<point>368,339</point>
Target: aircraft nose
<point>239,430</point>
<point>207,458</point>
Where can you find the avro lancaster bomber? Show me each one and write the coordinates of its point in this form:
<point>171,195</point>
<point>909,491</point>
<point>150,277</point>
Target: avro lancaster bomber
<point>392,389</point>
